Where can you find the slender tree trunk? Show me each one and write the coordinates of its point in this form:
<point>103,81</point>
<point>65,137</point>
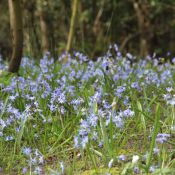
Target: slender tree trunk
<point>31,38</point>
<point>97,23</point>
<point>72,24</point>
<point>44,27</point>
<point>97,30</point>
<point>44,31</point>
<point>15,11</point>
<point>82,25</point>
<point>142,13</point>
<point>172,42</point>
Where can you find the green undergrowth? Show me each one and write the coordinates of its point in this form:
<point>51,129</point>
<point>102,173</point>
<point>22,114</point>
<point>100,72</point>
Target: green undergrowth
<point>82,119</point>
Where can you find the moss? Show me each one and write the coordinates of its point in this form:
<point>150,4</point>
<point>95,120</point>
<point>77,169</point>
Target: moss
<point>113,171</point>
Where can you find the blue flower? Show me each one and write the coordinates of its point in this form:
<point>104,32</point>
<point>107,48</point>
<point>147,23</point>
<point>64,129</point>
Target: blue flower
<point>156,150</point>
<point>128,113</point>
<point>93,119</point>
<point>27,151</point>
<point>162,137</point>
<point>118,121</point>
<point>136,170</point>
<point>9,138</point>
<point>76,142</point>
<point>122,157</point>
<point>84,141</point>
<point>119,91</point>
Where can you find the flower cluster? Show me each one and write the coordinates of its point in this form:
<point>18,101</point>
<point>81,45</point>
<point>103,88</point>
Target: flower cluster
<point>92,100</point>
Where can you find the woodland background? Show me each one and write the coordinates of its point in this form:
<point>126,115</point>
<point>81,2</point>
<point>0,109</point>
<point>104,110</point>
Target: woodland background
<point>140,27</point>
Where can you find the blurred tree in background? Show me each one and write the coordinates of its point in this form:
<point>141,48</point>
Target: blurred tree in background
<point>16,26</point>
<point>137,26</point>
<point>5,41</point>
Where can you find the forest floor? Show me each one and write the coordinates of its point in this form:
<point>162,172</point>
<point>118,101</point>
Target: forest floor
<point>84,117</point>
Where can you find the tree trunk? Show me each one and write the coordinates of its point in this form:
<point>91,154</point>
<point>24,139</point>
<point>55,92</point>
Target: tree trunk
<point>142,13</point>
<point>98,30</point>
<point>16,24</point>
<point>72,24</point>
<point>31,38</point>
<point>44,26</point>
